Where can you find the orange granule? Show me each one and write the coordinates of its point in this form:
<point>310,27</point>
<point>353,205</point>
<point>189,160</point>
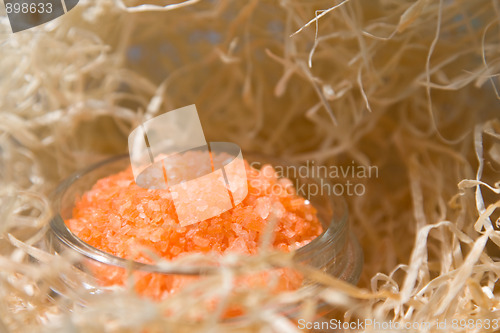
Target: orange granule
<point>118,216</point>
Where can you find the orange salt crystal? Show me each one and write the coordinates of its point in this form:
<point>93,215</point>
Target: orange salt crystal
<point>119,217</point>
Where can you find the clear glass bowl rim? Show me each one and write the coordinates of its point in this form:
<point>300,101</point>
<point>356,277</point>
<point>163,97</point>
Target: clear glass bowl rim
<point>334,231</point>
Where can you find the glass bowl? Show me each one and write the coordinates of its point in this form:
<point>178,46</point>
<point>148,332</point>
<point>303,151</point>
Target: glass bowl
<point>336,251</point>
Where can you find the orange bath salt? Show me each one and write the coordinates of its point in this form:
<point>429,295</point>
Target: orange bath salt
<point>120,217</point>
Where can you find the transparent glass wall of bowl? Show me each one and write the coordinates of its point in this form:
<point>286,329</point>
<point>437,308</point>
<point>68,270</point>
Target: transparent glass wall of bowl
<point>336,251</point>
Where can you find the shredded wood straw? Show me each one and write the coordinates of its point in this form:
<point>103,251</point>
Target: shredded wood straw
<point>408,86</point>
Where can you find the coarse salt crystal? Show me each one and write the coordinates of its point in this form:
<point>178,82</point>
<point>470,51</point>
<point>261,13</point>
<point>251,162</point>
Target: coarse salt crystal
<point>263,207</point>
